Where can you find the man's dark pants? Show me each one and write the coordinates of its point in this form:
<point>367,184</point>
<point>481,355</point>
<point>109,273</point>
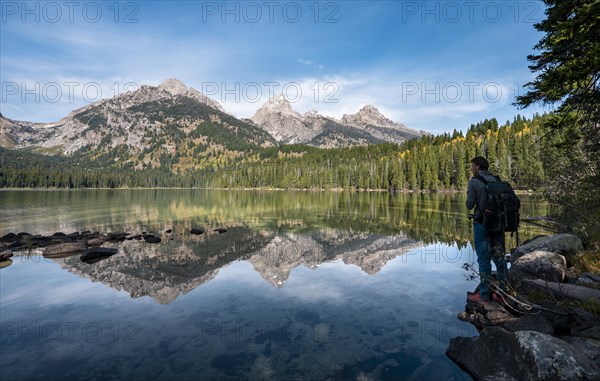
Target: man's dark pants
<point>489,247</point>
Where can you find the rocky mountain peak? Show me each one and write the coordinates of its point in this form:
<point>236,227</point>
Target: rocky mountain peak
<point>311,113</point>
<point>173,86</point>
<point>368,116</point>
<point>278,118</point>
<point>169,89</point>
<point>367,126</point>
<point>278,103</point>
<point>370,110</point>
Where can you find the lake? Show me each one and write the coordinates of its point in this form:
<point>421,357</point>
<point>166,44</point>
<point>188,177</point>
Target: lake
<point>301,286</point>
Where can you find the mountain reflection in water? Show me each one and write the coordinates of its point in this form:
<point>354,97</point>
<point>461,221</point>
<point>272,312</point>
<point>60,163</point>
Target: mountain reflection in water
<point>302,286</point>
<point>165,271</point>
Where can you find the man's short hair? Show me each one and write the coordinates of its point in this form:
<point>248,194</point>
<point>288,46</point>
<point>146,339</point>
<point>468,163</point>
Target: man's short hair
<point>481,162</point>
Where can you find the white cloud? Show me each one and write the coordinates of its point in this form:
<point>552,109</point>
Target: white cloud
<point>304,62</point>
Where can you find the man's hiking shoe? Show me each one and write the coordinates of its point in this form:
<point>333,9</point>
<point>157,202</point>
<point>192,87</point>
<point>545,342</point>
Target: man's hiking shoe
<point>499,299</point>
<point>473,297</point>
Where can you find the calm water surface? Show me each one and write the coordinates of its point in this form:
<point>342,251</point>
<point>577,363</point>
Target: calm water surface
<point>302,286</point>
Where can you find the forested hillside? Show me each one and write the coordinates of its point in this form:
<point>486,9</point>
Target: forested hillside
<point>429,163</point>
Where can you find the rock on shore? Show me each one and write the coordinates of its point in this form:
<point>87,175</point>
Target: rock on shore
<point>539,264</point>
<point>564,244</point>
<point>522,355</point>
<point>550,337</point>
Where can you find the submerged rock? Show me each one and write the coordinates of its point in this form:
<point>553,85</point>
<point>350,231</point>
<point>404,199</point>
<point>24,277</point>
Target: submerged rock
<point>97,253</point>
<point>59,243</point>
<point>152,239</point>
<point>63,255</point>
<point>95,242</point>
<point>389,346</point>
<point>10,237</point>
<point>66,247</point>
<point>14,245</point>
<point>5,255</point>
<point>116,236</point>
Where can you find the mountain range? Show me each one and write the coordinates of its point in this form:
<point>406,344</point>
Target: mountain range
<point>367,126</point>
<point>176,126</point>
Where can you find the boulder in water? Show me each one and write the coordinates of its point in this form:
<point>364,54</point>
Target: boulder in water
<point>10,237</point>
<point>97,253</point>
<point>22,235</point>
<point>5,255</point>
<point>66,247</point>
<point>95,242</point>
<point>152,239</point>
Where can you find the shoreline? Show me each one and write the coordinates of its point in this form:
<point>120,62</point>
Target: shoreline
<point>531,192</point>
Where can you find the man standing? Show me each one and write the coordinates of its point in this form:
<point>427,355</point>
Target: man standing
<point>488,245</point>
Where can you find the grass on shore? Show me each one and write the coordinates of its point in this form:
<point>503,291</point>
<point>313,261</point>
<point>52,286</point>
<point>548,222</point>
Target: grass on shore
<point>587,261</point>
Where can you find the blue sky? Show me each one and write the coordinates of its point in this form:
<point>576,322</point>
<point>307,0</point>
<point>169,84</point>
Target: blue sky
<point>432,65</point>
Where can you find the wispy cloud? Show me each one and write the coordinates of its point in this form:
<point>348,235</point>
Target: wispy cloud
<point>304,62</point>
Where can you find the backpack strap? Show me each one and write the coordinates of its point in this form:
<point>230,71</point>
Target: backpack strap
<point>485,182</point>
<point>481,178</point>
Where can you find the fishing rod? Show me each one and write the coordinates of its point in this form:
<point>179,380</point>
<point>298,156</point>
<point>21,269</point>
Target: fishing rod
<point>528,306</point>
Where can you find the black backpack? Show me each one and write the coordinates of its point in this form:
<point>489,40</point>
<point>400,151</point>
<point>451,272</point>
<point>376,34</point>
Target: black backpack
<point>500,206</point>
